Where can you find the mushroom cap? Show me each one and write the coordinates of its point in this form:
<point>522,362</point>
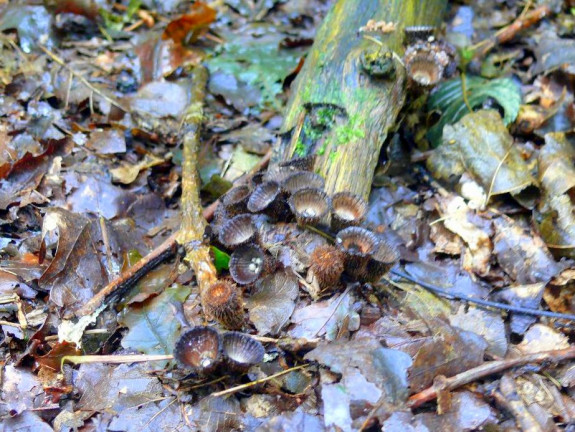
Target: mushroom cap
<point>263,196</point>
<point>426,63</point>
<point>424,69</point>
<point>301,163</point>
<point>382,260</point>
<point>302,180</point>
<point>237,231</point>
<point>241,350</point>
<point>247,264</point>
<point>256,179</point>
<point>235,200</point>
<point>198,349</point>
<point>309,205</point>
<point>418,32</point>
<point>357,241</point>
<point>327,264</point>
<point>222,300</point>
<point>347,209</point>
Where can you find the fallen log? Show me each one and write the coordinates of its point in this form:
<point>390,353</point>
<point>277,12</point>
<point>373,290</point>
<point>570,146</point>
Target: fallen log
<point>351,88</point>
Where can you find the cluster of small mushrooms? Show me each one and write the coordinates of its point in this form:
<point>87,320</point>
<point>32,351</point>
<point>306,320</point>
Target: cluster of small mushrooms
<point>292,192</point>
<point>289,193</point>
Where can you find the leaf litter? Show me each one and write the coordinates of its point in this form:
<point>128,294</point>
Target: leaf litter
<point>90,180</point>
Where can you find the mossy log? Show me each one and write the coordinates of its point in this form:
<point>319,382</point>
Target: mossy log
<point>341,108</point>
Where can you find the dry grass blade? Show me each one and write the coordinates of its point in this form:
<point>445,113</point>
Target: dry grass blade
<point>256,382</point>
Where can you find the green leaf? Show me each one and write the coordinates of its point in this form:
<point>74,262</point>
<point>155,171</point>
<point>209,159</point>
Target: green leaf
<point>152,327</point>
<point>221,259</point>
<point>115,23</point>
<point>257,61</point>
<point>449,101</point>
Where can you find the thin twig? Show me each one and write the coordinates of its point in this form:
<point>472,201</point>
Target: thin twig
<point>11,324</point>
<point>484,303</point>
<point>259,381</point>
<point>507,33</point>
<point>509,398</point>
<point>345,293</point>
<point>87,83</point>
<point>492,183</point>
<point>490,368</point>
<point>116,359</point>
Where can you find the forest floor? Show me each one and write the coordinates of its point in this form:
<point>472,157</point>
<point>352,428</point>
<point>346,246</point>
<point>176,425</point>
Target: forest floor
<point>470,329</point>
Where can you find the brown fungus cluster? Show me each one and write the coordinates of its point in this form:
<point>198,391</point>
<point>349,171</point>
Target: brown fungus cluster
<point>287,193</point>
<point>286,201</point>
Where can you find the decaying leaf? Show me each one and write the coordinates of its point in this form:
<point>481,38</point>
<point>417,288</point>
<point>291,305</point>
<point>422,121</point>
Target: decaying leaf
<point>556,171</point>
<point>164,415</point>
<point>370,373</point>
<point>25,175</point>
<point>488,325</point>
<point>107,141</point>
<point>556,219</point>
<point>116,388</point>
<point>528,296</point>
<point>75,273</point>
<point>467,412</point>
<point>522,253</point>
<point>323,317</point>
<point>385,368</point>
<point>457,218</point>
<point>93,193</point>
<point>33,23</point>
<point>542,338</point>
<point>18,385</point>
<point>152,328</point>
<point>249,70</point>
<point>448,352</point>
<point>481,145</point>
<point>53,359</point>
<point>272,302</point>
<point>127,174</point>
<point>553,52</point>
<point>187,27</point>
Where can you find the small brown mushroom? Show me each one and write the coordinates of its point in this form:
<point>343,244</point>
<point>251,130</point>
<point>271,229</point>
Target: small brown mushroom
<point>198,350</point>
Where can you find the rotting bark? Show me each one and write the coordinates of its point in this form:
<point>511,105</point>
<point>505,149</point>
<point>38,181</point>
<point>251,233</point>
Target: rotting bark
<point>337,110</point>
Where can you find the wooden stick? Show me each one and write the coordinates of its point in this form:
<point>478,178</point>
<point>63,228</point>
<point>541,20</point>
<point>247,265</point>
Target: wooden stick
<point>119,286</point>
<point>490,368</point>
<point>191,232</point>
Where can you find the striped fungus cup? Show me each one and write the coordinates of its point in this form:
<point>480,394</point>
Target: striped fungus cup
<point>348,210</point>
<point>309,206</point>
<point>198,349</point>
<point>241,351</point>
<point>358,245</point>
